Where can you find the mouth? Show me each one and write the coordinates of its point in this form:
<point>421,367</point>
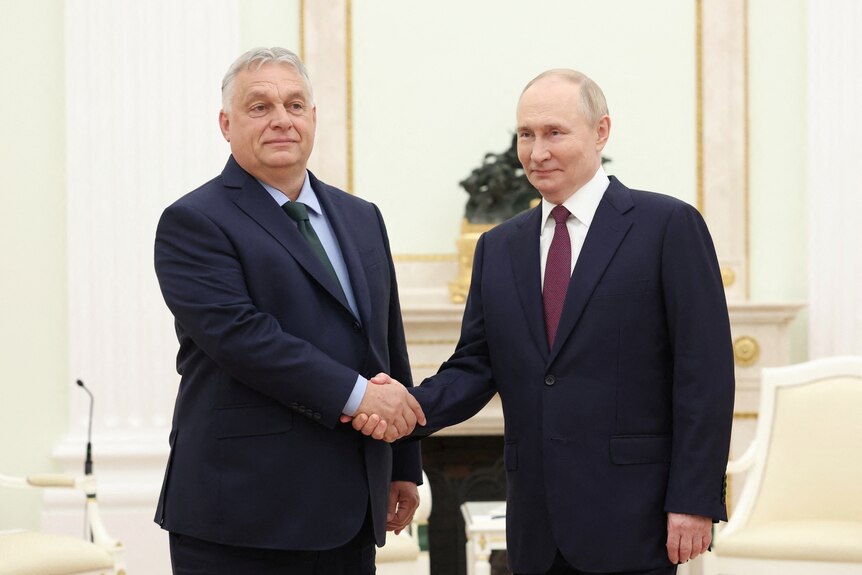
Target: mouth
<point>279,142</point>
<point>541,173</point>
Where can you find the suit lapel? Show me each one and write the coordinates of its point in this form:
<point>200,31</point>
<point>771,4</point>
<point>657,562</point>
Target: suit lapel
<point>338,216</point>
<point>524,252</point>
<point>608,228</point>
<point>255,201</point>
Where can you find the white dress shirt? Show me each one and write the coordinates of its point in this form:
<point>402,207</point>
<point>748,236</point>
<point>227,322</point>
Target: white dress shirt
<point>582,205</point>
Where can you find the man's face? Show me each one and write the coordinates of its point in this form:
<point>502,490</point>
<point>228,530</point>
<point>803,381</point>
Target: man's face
<point>271,122</point>
<point>559,149</point>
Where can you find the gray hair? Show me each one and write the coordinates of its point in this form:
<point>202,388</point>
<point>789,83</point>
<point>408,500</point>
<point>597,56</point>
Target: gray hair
<point>593,103</point>
<point>254,59</point>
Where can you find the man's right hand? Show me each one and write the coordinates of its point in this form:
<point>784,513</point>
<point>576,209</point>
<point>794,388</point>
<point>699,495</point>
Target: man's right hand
<point>387,411</point>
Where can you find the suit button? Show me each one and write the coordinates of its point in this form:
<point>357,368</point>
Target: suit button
<point>316,415</point>
<point>357,327</point>
<point>550,380</point>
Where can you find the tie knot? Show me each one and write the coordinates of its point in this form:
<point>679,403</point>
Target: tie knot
<point>296,210</point>
<point>560,214</point>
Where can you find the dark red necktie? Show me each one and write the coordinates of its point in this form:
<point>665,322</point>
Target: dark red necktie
<point>558,272</point>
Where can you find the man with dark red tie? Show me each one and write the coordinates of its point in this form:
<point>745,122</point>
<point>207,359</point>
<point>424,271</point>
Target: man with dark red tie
<point>600,319</point>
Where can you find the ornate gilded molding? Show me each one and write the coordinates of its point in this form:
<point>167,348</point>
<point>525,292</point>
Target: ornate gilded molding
<point>746,351</point>
<point>348,61</point>
<point>698,34</point>
<point>302,30</point>
<point>466,243</point>
<point>747,151</point>
<point>425,257</point>
<point>728,276</point>
<point>722,131</point>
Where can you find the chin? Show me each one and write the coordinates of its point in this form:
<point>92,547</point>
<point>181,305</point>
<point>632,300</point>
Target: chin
<point>282,160</point>
<point>549,193</point>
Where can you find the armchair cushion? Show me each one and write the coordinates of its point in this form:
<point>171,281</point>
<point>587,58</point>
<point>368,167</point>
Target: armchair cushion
<point>57,555</point>
<point>799,540</point>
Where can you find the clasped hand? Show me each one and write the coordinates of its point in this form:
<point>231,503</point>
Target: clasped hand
<point>387,411</point>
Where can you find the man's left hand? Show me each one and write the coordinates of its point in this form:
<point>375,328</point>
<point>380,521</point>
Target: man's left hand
<point>687,536</point>
<point>403,501</point>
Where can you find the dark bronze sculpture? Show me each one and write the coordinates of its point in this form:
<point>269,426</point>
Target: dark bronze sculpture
<point>499,189</point>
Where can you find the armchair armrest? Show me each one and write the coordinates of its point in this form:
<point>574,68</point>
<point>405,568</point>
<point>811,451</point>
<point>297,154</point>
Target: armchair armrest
<point>744,462</point>
<point>86,484</point>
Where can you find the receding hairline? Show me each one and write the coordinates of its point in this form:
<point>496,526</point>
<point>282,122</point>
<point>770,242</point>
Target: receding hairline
<point>590,95</point>
<point>257,58</point>
<point>573,76</point>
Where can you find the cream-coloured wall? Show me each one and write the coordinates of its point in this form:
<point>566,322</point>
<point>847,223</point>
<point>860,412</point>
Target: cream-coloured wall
<point>34,383</point>
<point>778,176</point>
<point>436,85</point>
<point>269,23</point>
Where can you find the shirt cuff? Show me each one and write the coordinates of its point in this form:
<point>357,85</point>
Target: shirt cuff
<point>355,396</point>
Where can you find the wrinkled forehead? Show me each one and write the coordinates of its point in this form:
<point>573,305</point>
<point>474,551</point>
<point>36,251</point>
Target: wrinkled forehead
<point>550,88</point>
<point>548,98</point>
<point>275,77</point>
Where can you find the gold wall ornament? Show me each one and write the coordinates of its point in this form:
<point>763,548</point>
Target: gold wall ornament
<point>728,276</point>
<point>412,258</point>
<point>746,350</point>
<point>466,245</point>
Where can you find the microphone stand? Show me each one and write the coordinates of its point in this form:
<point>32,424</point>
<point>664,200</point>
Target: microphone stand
<point>88,461</point>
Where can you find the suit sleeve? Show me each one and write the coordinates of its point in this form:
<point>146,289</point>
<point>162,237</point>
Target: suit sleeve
<point>203,284</point>
<point>406,457</point>
<point>465,383</point>
<point>703,371</point>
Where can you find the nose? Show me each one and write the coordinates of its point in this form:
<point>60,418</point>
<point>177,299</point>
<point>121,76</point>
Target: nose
<point>540,152</point>
<point>280,118</point>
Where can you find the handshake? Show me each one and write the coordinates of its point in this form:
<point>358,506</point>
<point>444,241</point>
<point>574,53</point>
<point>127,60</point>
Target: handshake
<point>387,410</point>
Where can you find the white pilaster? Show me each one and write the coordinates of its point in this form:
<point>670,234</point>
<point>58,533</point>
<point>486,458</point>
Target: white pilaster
<point>326,55</point>
<point>724,200</point>
<point>143,95</point>
<point>834,177</point>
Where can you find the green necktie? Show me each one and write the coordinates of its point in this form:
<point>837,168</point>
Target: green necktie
<point>299,213</point>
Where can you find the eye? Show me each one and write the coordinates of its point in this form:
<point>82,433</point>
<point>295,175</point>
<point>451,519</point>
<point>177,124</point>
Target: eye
<point>522,135</point>
<point>257,110</point>
<point>296,107</point>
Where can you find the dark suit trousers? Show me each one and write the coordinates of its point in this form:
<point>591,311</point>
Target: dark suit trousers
<point>562,567</point>
<point>192,556</point>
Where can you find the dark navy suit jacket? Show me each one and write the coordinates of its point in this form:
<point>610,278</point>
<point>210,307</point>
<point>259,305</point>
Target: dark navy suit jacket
<point>628,416</point>
<point>269,353</point>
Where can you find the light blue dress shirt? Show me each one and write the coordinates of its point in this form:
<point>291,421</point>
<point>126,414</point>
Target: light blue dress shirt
<point>327,237</point>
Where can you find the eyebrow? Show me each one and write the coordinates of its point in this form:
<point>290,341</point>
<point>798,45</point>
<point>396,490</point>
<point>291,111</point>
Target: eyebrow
<point>548,126</point>
<point>257,93</point>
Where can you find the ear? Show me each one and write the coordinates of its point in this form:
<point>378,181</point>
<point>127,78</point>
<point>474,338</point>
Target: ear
<point>603,131</point>
<point>224,124</point>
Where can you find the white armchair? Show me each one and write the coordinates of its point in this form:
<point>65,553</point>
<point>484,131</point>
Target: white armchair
<point>402,555</point>
<point>39,553</point>
<point>800,510</point>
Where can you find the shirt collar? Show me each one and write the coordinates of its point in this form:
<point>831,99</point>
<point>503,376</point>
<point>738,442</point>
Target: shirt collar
<point>306,195</point>
<point>584,202</point>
